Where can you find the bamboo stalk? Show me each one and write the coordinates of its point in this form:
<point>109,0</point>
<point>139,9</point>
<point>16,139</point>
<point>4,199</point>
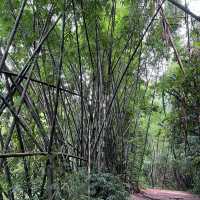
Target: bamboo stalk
<point>30,154</point>
<point>185,9</point>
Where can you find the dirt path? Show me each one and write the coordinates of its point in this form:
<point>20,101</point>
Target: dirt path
<point>156,194</point>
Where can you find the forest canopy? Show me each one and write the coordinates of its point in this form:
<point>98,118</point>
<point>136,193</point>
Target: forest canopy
<point>98,98</point>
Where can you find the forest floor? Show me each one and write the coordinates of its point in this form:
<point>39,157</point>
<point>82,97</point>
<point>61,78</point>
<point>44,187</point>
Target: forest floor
<point>157,194</point>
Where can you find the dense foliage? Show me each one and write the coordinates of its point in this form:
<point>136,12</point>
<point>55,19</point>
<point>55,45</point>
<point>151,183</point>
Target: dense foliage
<point>104,86</point>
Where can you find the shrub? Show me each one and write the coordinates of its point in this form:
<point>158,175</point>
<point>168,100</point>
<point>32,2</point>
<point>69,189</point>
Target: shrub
<point>102,186</point>
<point>106,186</point>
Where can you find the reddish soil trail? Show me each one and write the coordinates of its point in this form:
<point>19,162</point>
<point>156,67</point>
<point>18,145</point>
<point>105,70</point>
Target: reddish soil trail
<point>156,194</point>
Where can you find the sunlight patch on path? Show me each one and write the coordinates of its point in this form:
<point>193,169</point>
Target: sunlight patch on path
<point>156,194</point>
